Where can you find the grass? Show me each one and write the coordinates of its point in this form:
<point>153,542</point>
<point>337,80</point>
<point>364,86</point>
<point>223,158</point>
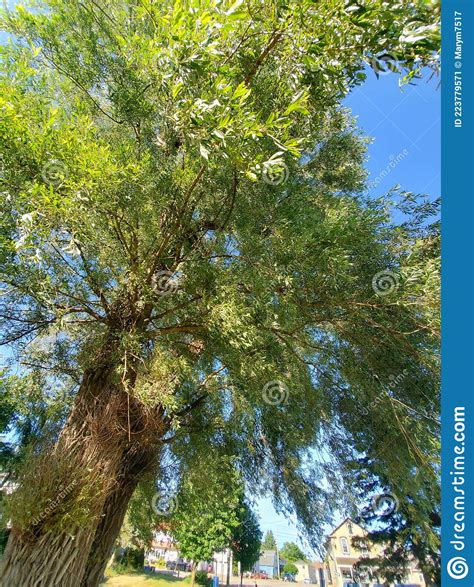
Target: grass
<point>147,580</point>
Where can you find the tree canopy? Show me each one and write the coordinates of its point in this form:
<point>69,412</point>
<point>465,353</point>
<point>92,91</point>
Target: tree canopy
<point>247,537</point>
<point>189,253</point>
<point>269,542</point>
<point>290,568</point>
<point>292,552</point>
<point>205,516</point>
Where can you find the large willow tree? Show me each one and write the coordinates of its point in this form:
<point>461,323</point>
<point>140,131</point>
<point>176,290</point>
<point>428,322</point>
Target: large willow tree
<point>188,252</point>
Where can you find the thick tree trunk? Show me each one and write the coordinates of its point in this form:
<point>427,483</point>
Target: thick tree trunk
<point>106,534</point>
<point>106,430</point>
<point>134,465</point>
<point>55,559</point>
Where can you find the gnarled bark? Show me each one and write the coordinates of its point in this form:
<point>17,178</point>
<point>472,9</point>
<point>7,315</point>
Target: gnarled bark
<point>115,507</point>
<point>100,454</point>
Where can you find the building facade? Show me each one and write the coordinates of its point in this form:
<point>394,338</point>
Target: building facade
<point>163,548</point>
<point>269,563</point>
<point>312,573</point>
<point>342,557</point>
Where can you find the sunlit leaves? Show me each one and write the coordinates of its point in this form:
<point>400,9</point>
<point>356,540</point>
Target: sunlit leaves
<point>206,140</point>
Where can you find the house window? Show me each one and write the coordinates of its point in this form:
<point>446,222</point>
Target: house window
<point>349,528</point>
<point>346,574</point>
<point>344,546</point>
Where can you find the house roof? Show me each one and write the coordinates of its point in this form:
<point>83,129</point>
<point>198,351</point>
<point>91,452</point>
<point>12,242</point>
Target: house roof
<point>342,524</point>
<point>163,544</point>
<point>267,558</point>
<point>347,560</point>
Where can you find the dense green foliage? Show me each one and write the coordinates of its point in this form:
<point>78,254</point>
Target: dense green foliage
<point>129,559</point>
<point>290,568</point>
<point>410,528</point>
<point>201,578</point>
<point>182,189</point>
<point>269,542</point>
<point>292,552</point>
<point>206,511</point>
<point>246,540</point>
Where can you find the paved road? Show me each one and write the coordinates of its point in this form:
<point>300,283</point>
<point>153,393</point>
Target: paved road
<point>235,582</point>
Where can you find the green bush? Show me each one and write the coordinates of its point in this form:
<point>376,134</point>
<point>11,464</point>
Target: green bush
<point>129,559</point>
<point>4,533</point>
<point>290,568</point>
<point>202,579</point>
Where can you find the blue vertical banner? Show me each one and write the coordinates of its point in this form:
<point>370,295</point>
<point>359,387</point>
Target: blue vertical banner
<point>457,534</point>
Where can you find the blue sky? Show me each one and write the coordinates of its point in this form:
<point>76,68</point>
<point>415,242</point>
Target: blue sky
<point>405,125</point>
<point>398,119</point>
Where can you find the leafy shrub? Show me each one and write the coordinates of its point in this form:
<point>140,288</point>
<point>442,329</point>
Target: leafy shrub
<point>129,559</point>
<point>290,568</point>
<point>202,579</point>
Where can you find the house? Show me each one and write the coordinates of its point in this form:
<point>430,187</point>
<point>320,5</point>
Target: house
<point>310,572</point>
<point>163,547</point>
<point>321,574</point>
<point>269,563</point>
<point>342,556</point>
<point>222,564</point>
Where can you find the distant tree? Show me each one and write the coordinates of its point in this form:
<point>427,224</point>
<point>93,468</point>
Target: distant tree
<point>410,527</point>
<point>204,514</point>
<point>246,539</point>
<point>292,552</point>
<point>405,535</point>
<point>269,542</point>
<point>290,568</point>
